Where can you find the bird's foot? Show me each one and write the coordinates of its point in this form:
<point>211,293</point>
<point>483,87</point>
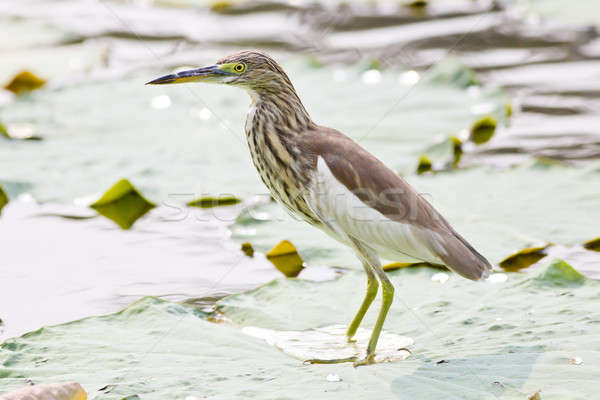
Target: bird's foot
<point>331,361</point>
<point>369,359</point>
<point>350,340</point>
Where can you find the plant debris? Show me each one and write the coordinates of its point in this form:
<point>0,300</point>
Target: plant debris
<point>286,259</point>
<point>123,204</point>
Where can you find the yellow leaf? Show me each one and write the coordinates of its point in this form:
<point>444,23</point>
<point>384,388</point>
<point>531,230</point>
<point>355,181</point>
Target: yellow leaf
<point>398,265</point>
<point>25,81</point>
<point>593,244</point>
<point>208,202</point>
<point>123,204</point>
<point>483,130</point>
<point>425,165</point>
<point>286,259</point>
<point>248,249</point>
<point>3,199</point>
<point>524,258</point>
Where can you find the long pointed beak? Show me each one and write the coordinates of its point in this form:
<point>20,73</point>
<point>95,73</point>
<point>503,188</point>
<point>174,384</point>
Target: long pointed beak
<point>192,75</point>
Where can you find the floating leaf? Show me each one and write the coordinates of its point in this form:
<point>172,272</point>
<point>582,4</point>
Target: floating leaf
<point>248,249</point>
<point>209,202</point>
<point>417,4</point>
<point>123,204</point>
<point>25,81</point>
<point>286,259</point>
<point>508,109</point>
<point>425,165</point>
<point>221,6</point>
<point>4,131</point>
<point>3,199</point>
<point>457,150</point>
<point>523,258</point>
<point>483,130</point>
<point>593,244</point>
<point>559,273</point>
<point>535,395</point>
<point>19,132</point>
<point>53,391</point>
<point>451,70</point>
<point>397,265</point>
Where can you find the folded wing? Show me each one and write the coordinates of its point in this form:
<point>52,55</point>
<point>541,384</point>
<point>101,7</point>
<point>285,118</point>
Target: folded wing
<point>371,203</point>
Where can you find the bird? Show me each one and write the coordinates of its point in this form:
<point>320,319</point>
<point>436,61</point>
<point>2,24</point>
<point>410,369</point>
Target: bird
<point>328,180</point>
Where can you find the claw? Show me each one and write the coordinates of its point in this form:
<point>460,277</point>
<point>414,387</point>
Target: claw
<point>333,361</point>
<point>368,360</point>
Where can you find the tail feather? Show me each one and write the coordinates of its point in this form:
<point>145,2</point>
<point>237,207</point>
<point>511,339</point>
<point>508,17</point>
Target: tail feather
<point>458,255</point>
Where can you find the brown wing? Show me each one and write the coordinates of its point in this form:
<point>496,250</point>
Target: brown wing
<point>379,187</point>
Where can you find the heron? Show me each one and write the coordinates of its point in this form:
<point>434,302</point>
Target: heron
<point>328,180</point>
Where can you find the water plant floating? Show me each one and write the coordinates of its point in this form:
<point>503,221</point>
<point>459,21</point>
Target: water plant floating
<point>286,259</point>
<point>123,204</point>
<point>25,81</point>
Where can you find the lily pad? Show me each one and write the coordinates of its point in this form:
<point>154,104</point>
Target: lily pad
<point>19,132</point>
<point>3,199</point>
<point>53,391</point>
<point>483,130</point>
<point>247,249</point>
<point>330,343</point>
<point>209,202</point>
<point>593,244</point>
<point>417,4</point>
<point>25,81</point>
<point>4,131</point>
<point>559,273</point>
<point>451,70</point>
<point>425,165</point>
<point>286,259</point>
<point>524,258</point>
<point>468,345</point>
<point>123,204</point>
<point>397,265</point>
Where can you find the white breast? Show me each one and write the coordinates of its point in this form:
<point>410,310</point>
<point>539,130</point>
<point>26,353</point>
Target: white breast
<point>348,215</point>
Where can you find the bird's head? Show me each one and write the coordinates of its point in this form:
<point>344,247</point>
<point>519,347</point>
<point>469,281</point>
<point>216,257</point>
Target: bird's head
<point>252,70</point>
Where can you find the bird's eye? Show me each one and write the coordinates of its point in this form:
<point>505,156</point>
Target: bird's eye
<point>239,67</point>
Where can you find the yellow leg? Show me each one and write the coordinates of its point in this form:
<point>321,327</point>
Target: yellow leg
<point>388,297</point>
<point>371,259</point>
<point>372,287</point>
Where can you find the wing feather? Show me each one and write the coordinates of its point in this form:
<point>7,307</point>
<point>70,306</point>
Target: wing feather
<point>373,204</point>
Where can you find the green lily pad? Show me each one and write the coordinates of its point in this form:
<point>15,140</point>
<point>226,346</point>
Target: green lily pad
<point>472,341</point>
<point>3,199</point>
<point>559,273</point>
<point>123,204</point>
<point>209,202</point>
<point>24,81</point>
<point>483,130</point>
<point>451,70</point>
<point>524,258</point>
<point>286,259</point>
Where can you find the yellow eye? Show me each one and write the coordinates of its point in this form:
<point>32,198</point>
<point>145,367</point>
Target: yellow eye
<point>239,67</point>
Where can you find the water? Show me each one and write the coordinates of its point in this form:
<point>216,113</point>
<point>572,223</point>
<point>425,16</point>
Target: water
<point>408,79</point>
